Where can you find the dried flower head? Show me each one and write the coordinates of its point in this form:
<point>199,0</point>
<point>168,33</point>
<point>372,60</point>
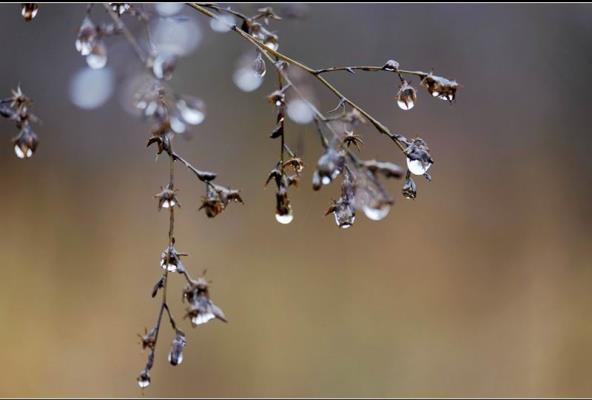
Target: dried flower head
<point>418,155</point>
<point>440,87</point>
<point>329,167</point>
<point>26,142</point>
<point>217,198</point>
<point>201,308</point>
<point>29,10</point>
<point>170,260</point>
<point>167,198</point>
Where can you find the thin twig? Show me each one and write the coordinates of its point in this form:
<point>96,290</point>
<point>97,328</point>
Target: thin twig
<point>268,51</point>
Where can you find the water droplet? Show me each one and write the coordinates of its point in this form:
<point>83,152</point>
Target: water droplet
<point>91,88</point>
<point>405,105</point>
<point>192,110</point>
<point>144,379</point>
<point>86,37</point>
<point>418,167</point>
<point>20,153</point>
<point>169,204</point>
<point>175,35</point>
<point>175,359</point>
<point>169,267</point>
<point>222,23</point>
<point>284,219</point>
<point>168,9</point>
<point>259,65</point>
<point>300,111</point>
<point>377,213</point>
<point>164,65</point>
<point>29,10</point>
<point>247,79</point>
<point>97,58</point>
<point>344,221</point>
<point>272,43</point>
<point>177,125</point>
<point>202,318</point>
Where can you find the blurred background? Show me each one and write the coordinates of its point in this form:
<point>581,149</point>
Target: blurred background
<point>479,287</point>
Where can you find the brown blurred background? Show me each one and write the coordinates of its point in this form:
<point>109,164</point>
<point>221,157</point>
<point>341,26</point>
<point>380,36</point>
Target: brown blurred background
<point>479,287</point>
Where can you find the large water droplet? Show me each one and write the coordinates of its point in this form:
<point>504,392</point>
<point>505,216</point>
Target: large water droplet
<point>201,318</point>
<point>144,380</point>
<point>192,110</point>
<point>164,65</point>
<point>418,167</point>
<point>175,35</point>
<point>247,79</point>
<point>27,153</point>
<point>175,359</point>
<point>405,105</point>
<point>284,219</point>
<point>377,213</point>
<point>177,125</point>
<point>97,58</point>
<point>91,88</point>
<point>222,23</point>
<point>168,9</point>
<point>259,65</point>
<point>300,111</point>
<point>169,267</point>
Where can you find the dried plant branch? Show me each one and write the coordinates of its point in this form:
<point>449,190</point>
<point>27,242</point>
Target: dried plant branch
<point>170,114</point>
